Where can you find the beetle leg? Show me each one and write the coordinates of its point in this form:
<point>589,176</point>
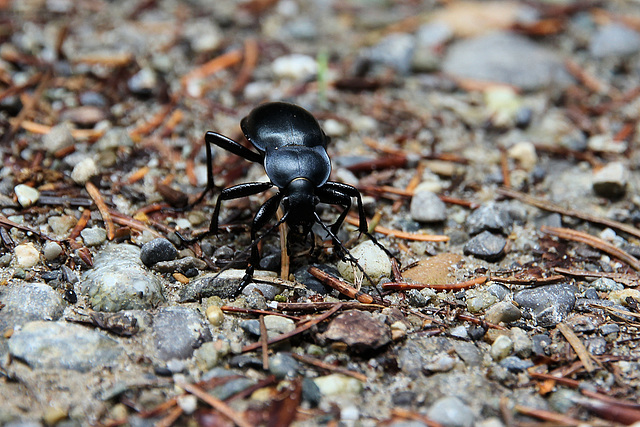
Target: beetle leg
<point>264,214</point>
<point>332,197</point>
<point>351,191</point>
<point>235,192</point>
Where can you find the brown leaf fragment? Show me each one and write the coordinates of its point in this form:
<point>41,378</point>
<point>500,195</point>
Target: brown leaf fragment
<point>578,347</point>
<point>175,198</point>
<point>283,408</point>
<point>359,330</point>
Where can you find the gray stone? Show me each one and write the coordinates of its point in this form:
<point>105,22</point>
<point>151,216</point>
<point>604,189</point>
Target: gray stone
<point>59,137</point>
<point>426,206</point>
<point>119,282</point>
<point>283,366</point>
<point>604,284</point>
<point>51,250</point>
<point>143,82</point>
<point>182,264</point>
<point>596,345</point>
<point>522,344</point>
<point>540,344</point>
<point>611,180</point>
<point>515,364</point>
<point>549,305</point>
<point>156,250</point>
<point>503,311</point>
<point>451,412</point>
<point>394,50</point>
<point>490,217</point>
<point>507,58</point>
<point>614,39</point>
<point>224,285</point>
<point>486,246</point>
<point>269,292</point>
<point>94,236</point>
<point>420,352</point>
<point>24,302</point>
<point>468,352</point>
<point>113,139</point>
<point>178,331</point>
<point>61,345</point>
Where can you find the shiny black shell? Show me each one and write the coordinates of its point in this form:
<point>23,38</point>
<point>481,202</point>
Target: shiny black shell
<point>293,144</point>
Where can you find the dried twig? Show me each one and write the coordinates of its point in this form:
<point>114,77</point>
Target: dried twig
<point>627,279</point>
<point>213,66</point>
<point>410,415</point>
<point>329,367</point>
<point>578,236</point>
<point>215,403</point>
<point>102,207</point>
<point>250,61</point>
<point>551,207</point>
<point>81,224</point>
<point>341,286</point>
<point>264,336</point>
<point>578,347</point>
<point>258,312</point>
<point>402,234</point>
<point>553,417</point>
<point>296,331</point>
<point>395,286</point>
<point>319,306</point>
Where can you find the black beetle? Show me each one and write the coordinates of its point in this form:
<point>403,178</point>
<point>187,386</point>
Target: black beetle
<point>292,147</point>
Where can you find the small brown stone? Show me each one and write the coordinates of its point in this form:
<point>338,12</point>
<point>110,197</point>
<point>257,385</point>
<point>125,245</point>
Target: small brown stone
<point>359,331</point>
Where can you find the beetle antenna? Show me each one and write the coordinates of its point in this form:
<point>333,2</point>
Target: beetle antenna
<point>350,258</point>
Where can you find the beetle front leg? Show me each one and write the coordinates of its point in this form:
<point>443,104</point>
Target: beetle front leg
<point>264,214</point>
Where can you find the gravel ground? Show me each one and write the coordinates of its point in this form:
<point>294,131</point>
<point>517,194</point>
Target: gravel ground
<point>509,129</point>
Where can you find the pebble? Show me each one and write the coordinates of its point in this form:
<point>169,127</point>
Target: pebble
<point>119,282</point>
<point>188,403</point>
<point>395,51</point>
<point>359,330</point>
<point>59,137</point>
<point>84,170</point>
<point>609,331</point>
<point>549,305</point>
<point>113,139</point>
<point>295,67</point>
<point>503,311</point>
<point>479,299</point>
<point>606,143</point>
<point>185,265</point>
<point>506,58</point>
<point>604,284</point>
<point>51,250</point>
<point>27,196</point>
<point>93,236</point>
<point>143,82</point>
<point>214,315</point>
<point>501,347</point>
<point>276,325</point>
<point>486,246</point>
<point>515,364</point>
<point>283,366</point>
<point>60,225</point>
<point>468,352</point>
<point>620,297</point>
<point>419,352</point>
<point>338,384</point>
<point>500,291</point>
<point>203,35</point>
<point>493,217</point>
<point>268,291</point>
<point>611,180</point>
<point>27,255</point>
<point>178,331</point>
<point>522,344</point>
<point>614,40</point>
<point>308,280</point>
<point>25,302</point>
<point>540,344</point>
<point>229,388</point>
<point>373,260</point>
<point>223,285</point>
<point>426,206</point>
<point>450,411</point>
<point>61,345</point>
<point>524,153</point>
<point>159,249</point>
<point>596,345</point>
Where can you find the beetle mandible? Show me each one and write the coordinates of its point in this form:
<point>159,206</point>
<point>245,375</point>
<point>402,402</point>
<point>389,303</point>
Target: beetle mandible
<point>292,147</point>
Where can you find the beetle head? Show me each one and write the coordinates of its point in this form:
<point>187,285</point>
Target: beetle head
<point>300,201</point>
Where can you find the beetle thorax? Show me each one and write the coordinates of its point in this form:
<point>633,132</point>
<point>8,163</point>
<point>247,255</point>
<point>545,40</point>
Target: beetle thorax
<point>300,202</point>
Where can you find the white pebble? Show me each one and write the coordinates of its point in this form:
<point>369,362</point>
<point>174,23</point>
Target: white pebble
<point>84,170</point>
<point>338,384</point>
<point>501,347</point>
<point>334,128</point>
<point>26,195</point>
<point>373,260</point>
<point>295,66</point>
<point>188,403</point>
<point>51,251</point>
<point>27,255</point>
<point>525,154</point>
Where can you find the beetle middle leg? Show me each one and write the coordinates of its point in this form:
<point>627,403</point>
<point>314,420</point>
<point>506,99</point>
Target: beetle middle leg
<point>230,193</point>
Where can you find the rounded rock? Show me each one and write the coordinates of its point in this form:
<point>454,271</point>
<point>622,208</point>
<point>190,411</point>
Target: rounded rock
<point>51,250</point>
<point>214,314</point>
<point>84,171</point>
<point>26,195</point>
<point>450,411</point>
<point>426,206</point>
<point>373,260</point>
<point>94,236</point>
<point>501,347</point>
<point>295,66</point>
<point>59,137</point>
<point>157,250</point>
<point>27,255</point>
